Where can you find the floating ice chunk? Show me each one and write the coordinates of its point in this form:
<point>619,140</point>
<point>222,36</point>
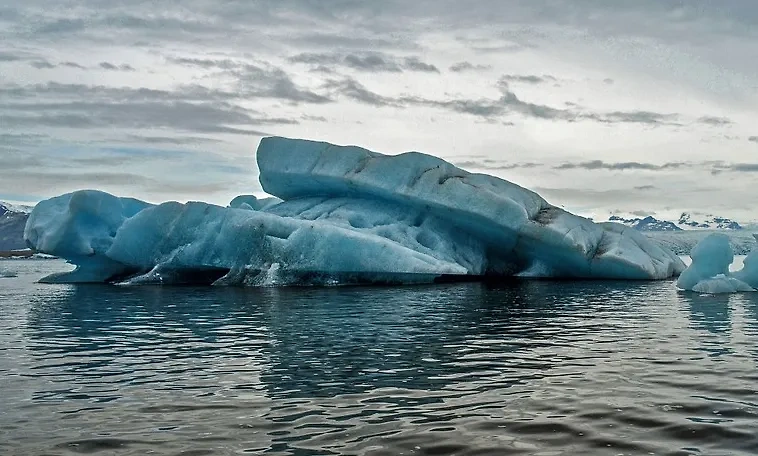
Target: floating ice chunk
<point>80,227</point>
<point>251,202</point>
<point>7,273</point>
<point>721,284</point>
<point>709,271</point>
<point>749,271</point>
<point>710,257</point>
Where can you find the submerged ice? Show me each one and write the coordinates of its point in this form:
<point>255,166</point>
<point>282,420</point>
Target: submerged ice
<point>709,271</point>
<point>341,215</point>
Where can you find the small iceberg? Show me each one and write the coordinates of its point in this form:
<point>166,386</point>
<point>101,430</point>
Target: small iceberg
<point>709,272</point>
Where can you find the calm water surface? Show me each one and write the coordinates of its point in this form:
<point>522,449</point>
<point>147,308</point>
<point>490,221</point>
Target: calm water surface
<point>536,367</point>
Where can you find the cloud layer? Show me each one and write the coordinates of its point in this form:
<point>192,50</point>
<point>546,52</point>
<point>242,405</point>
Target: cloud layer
<point>589,97</point>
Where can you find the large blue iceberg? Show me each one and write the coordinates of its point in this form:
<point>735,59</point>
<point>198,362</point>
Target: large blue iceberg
<point>341,215</point>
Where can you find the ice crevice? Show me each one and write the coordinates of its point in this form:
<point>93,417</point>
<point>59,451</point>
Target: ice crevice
<point>341,214</point>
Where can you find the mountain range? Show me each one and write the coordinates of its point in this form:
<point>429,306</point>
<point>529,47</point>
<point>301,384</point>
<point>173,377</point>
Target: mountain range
<point>686,221</point>
<point>12,222</point>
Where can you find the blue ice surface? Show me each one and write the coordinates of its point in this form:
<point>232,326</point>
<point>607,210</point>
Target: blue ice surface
<point>709,271</point>
<point>341,214</point>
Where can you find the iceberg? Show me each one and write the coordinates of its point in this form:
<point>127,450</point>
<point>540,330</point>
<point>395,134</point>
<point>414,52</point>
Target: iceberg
<point>252,203</point>
<point>749,272</point>
<point>709,272</point>
<point>337,215</point>
<point>80,227</point>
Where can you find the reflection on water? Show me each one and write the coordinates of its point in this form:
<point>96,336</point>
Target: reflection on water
<point>710,313</point>
<point>532,367</point>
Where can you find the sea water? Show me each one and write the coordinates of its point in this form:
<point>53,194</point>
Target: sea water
<point>525,367</point>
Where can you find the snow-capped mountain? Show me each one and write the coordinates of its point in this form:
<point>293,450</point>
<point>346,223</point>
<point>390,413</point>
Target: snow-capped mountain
<point>648,223</point>
<point>18,208</point>
<point>689,220</point>
<point>12,222</point>
<point>686,221</point>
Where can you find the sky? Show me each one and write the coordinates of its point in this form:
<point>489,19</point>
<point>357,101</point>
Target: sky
<point>646,107</point>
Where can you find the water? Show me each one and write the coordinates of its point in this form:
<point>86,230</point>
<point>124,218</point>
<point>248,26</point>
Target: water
<point>543,368</point>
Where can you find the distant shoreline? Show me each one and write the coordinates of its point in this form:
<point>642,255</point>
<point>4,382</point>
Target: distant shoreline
<point>26,253</point>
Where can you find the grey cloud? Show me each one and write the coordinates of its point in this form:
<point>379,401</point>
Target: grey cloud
<point>113,67</point>
<point>714,120</point>
<point>313,118</point>
<point>370,62</point>
<point>493,165</point>
<point>642,213</point>
<point>501,48</point>
<point>643,117</point>
<point>753,139</point>
<point>258,80</point>
<point>645,187</point>
<point>56,182</point>
<point>60,26</point>
<point>494,109</point>
<point>530,78</point>
<point>155,171</point>
<point>312,58</point>
<point>179,140</point>
<point>368,25</point>
<point>205,117</point>
<point>322,69</point>
<point>47,120</point>
<point>597,197</point>
<point>354,90</point>
<point>480,108</point>
<point>17,158</point>
<point>714,167</point>
<point>506,104</point>
<point>277,84</point>
<point>42,64</point>
<point>110,178</point>
<point>72,65</point>
<point>9,57</point>
<point>46,64</point>
<point>357,40</point>
<point>95,23</point>
<point>232,130</point>
<point>223,64</point>
<point>608,81</point>
<point>33,92</point>
<point>509,103</point>
<point>621,166</point>
<point>8,13</point>
<point>719,167</point>
<point>468,66</point>
<point>367,61</point>
<point>11,138</point>
<point>745,167</point>
<point>160,22</point>
<point>350,27</point>
<point>415,64</point>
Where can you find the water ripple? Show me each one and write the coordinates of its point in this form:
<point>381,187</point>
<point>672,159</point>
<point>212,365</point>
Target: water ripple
<point>533,367</point>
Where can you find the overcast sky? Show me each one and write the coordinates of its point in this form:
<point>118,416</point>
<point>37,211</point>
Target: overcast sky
<point>645,105</point>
